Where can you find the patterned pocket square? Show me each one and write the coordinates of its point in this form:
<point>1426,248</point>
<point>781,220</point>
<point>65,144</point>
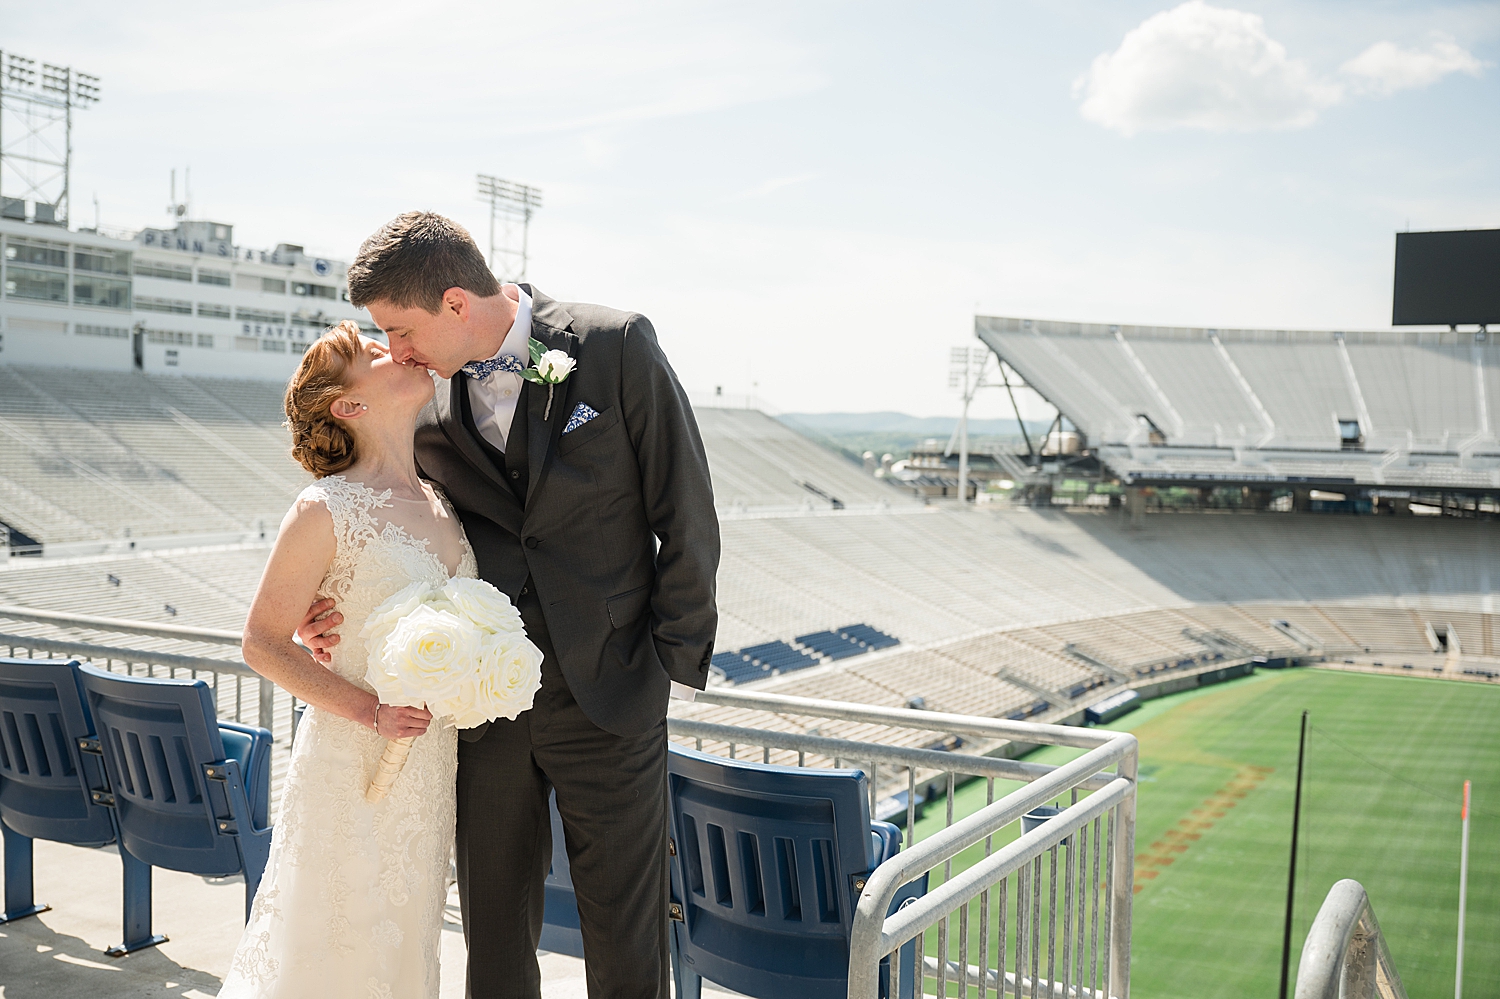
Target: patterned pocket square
<point>582,413</point>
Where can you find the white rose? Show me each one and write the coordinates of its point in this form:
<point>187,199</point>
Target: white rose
<point>438,598</point>
<point>510,674</point>
<point>482,604</point>
<point>399,604</point>
<point>554,366</point>
<point>431,652</point>
<point>378,627</point>
<point>504,685</point>
<point>464,709</point>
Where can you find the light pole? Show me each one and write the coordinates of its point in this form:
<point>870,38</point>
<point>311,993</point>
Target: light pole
<point>512,204</point>
<point>39,157</point>
<point>966,372</point>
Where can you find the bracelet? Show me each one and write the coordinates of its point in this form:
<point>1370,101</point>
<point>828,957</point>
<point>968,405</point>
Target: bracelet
<point>377,716</point>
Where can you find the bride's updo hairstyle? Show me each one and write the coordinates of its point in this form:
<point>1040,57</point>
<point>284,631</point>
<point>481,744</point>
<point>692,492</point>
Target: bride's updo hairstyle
<point>321,443</point>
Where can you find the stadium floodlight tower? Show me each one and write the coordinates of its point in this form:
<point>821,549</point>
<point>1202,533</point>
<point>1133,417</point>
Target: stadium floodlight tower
<point>511,205</point>
<point>967,368</point>
<point>36,135</point>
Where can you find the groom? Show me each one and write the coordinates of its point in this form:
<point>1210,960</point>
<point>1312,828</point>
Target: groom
<point>588,503</point>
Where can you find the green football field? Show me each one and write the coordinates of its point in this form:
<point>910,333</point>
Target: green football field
<point>1387,758</point>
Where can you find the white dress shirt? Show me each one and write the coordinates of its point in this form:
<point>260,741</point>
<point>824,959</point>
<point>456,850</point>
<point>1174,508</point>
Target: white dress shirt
<point>494,399</point>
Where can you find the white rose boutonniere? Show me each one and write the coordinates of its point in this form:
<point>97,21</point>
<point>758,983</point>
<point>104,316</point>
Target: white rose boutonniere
<point>548,367</point>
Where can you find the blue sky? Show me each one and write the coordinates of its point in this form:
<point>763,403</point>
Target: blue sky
<point>817,197</point>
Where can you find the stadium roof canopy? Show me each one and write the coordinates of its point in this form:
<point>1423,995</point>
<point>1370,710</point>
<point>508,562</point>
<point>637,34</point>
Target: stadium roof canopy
<point>1165,404</point>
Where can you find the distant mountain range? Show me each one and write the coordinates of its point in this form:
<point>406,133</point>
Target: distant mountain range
<point>839,424</point>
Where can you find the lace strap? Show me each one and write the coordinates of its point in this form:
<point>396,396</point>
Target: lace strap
<point>349,503</point>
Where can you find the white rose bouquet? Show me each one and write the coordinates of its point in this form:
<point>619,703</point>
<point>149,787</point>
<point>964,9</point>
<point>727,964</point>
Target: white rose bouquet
<point>458,649</point>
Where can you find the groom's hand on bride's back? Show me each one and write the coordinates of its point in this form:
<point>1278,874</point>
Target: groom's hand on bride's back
<point>316,630</point>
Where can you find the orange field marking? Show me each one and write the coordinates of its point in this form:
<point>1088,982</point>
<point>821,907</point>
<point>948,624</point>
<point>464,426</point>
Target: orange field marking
<point>1175,842</point>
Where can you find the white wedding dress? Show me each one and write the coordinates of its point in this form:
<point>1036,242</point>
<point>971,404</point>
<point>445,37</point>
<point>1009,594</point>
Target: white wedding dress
<point>351,904</point>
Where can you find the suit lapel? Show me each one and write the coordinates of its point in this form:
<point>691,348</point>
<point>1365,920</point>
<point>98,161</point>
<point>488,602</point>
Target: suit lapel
<point>549,325</point>
<point>449,413</point>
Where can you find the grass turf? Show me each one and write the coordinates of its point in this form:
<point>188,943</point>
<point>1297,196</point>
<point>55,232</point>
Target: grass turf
<point>1208,920</point>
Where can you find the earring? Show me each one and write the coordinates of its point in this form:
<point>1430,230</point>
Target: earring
<point>363,406</point>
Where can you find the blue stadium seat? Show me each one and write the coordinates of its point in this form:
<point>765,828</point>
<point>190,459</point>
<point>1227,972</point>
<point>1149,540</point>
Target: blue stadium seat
<point>756,662</point>
<point>870,638</point>
<point>191,793</point>
<point>560,929</point>
<point>768,864</point>
<point>737,667</point>
<point>831,644</point>
<point>778,657</point>
<point>50,772</point>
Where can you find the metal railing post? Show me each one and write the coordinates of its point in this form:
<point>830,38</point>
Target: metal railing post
<point>1123,888</point>
<point>1345,955</point>
<point>267,708</point>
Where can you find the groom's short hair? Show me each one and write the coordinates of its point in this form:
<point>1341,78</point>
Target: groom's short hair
<point>413,259</point>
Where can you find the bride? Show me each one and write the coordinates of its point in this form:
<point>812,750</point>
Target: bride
<point>352,900</point>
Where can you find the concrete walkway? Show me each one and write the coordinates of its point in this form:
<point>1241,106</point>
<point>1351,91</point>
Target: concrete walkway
<point>60,953</point>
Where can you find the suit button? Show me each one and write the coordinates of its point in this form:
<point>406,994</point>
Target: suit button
<point>515,473</point>
<point>533,542</point>
<point>525,590</point>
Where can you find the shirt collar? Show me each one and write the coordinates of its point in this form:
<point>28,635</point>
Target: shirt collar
<point>517,342</point>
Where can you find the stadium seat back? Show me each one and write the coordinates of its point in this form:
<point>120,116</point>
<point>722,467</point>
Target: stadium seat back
<point>560,928</point>
<point>45,778</point>
<point>183,801</point>
<point>768,866</point>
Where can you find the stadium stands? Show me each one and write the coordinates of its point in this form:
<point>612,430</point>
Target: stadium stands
<point>1010,613</point>
<point>1267,406</point>
<point>758,463</point>
<point>96,454</point>
<point>92,455</point>
<point>757,662</point>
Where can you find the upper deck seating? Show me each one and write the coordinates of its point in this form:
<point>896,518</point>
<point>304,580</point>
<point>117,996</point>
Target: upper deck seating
<point>1188,404</point>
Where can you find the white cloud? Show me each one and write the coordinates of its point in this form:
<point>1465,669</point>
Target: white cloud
<point>1197,66</point>
<point>1384,68</point>
<point>1214,68</point>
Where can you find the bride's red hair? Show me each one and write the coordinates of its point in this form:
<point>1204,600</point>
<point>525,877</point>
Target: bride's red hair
<point>320,442</point>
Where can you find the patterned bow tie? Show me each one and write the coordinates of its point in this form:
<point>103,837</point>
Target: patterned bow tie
<point>480,370</point>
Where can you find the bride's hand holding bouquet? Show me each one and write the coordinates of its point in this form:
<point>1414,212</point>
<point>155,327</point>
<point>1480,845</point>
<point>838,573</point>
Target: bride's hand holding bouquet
<point>459,650</point>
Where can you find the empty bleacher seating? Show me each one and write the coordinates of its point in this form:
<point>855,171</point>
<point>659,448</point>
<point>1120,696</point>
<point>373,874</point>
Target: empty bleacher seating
<point>91,454</point>
<point>1263,405</point>
<point>768,659</point>
<point>755,662</point>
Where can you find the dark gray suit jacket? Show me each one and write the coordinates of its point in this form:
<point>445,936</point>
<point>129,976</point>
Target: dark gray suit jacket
<point>618,532</point>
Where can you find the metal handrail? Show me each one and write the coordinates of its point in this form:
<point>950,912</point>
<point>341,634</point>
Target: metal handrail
<point>214,636</point>
<point>930,721</point>
<point>900,756</point>
<point>1345,955</point>
<point>875,934</point>
<point>87,650</point>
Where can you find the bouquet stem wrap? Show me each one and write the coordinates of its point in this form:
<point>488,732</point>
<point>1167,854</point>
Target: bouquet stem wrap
<point>391,762</point>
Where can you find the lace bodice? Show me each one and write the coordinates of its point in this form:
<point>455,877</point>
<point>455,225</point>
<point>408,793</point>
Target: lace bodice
<point>351,904</point>
<point>375,556</point>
